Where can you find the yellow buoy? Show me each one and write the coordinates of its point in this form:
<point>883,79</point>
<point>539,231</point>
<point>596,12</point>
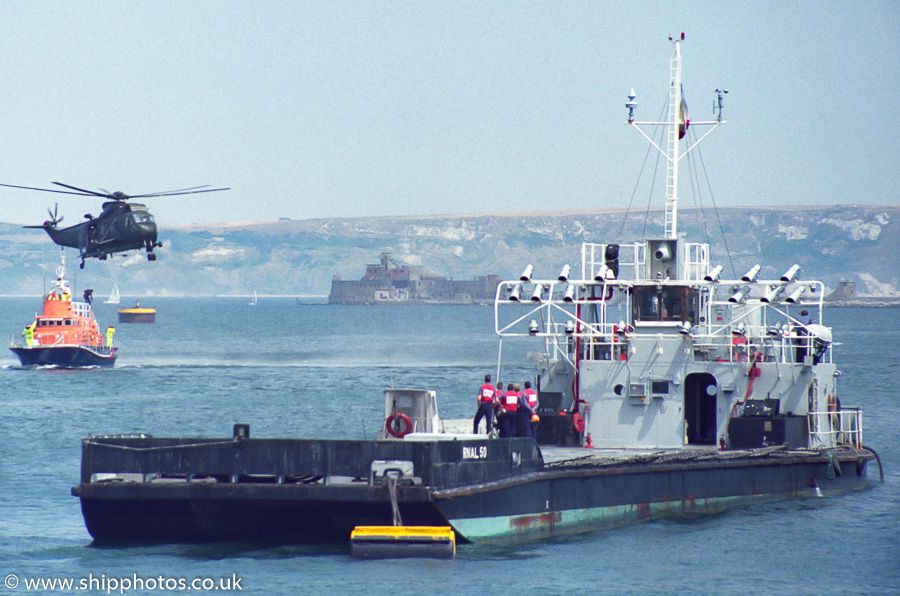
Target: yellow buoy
<point>388,542</point>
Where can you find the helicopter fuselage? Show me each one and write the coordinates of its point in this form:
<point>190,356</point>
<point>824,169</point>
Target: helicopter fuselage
<point>119,227</point>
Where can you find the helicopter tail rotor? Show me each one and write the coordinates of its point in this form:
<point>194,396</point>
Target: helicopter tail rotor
<point>54,217</point>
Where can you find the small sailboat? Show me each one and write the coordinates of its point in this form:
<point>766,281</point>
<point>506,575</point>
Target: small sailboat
<point>113,296</point>
<point>255,299</point>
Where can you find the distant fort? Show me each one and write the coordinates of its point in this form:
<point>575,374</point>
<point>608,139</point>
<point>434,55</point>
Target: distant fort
<point>845,295</point>
<point>390,282</point>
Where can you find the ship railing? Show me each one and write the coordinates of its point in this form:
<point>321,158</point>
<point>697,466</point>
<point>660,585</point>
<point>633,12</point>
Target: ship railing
<point>739,344</point>
<point>20,342</point>
<point>632,260</point>
<point>767,325</point>
<point>82,309</point>
<point>696,261</point>
<point>554,318</point>
<point>836,427</point>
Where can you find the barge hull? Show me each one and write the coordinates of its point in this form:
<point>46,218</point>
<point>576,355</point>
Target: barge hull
<point>560,503</point>
<point>143,490</point>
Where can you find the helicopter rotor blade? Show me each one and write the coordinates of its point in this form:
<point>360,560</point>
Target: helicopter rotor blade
<point>173,193</point>
<point>165,192</point>
<point>90,192</point>
<point>65,192</point>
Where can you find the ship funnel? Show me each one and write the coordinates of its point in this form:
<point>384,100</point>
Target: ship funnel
<point>714,274</point>
<point>794,298</point>
<point>751,275</point>
<point>526,275</point>
<point>791,274</point>
<point>564,274</point>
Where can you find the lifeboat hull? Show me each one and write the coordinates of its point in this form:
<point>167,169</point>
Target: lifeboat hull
<point>65,356</point>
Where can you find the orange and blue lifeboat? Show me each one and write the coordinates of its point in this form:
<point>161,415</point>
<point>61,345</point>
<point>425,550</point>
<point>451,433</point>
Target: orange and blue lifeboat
<point>65,334</point>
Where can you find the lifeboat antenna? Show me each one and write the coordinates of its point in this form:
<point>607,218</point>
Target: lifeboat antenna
<point>677,124</point>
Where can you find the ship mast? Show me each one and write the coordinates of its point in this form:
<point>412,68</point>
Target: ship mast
<point>677,125</point>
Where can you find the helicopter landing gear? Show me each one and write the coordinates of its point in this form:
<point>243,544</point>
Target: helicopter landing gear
<point>151,256</point>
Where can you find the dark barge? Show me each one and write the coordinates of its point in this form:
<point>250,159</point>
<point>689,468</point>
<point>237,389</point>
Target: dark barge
<point>317,491</point>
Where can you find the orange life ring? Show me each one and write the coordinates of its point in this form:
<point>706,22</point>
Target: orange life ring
<point>578,421</point>
<point>393,421</point>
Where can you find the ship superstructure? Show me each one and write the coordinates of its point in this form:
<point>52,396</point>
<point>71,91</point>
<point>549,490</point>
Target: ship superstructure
<point>653,347</point>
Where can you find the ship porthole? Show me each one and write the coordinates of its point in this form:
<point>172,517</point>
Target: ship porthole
<point>619,389</point>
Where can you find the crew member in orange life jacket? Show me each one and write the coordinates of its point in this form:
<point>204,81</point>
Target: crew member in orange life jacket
<point>509,404</point>
<point>486,396</point>
<point>532,399</point>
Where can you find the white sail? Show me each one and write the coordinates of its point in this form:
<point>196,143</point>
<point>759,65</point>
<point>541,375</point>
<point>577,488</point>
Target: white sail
<point>113,296</point>
<point>253,302</point>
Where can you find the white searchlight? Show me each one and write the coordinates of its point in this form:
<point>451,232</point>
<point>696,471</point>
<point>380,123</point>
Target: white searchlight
<point>663,253</point>
<point>751,275</point>
<point>538,293</point>
<point>514,293</point>
<point>773,294</point>
<point>569,296</point>
<point>533,327</point>
<point>564,274</point>
<point>714,274</point>
<point>604,273</point>
<point>740,295</point>
<point>526,275</point>
<point>794,298</point>
<point>791,274</point>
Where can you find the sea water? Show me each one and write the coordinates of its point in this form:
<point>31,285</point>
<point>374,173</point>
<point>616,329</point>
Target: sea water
<point>297,369</point>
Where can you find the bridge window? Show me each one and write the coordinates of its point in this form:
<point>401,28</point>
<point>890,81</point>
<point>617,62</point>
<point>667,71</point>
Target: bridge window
<point>665,303</point>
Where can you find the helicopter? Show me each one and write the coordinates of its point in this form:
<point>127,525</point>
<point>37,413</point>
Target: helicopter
<point>120,227</point>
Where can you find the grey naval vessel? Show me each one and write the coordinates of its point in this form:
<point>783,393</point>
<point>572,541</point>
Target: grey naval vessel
<point>665,388</point>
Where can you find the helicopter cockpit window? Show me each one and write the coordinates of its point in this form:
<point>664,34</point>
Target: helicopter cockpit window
<point>142,217</point>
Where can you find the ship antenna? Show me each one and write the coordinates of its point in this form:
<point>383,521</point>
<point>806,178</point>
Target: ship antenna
<point>717,106</point>
<point>677,125</point>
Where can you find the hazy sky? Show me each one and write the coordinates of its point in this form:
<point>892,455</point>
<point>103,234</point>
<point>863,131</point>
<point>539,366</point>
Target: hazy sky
<point>337,109</point>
